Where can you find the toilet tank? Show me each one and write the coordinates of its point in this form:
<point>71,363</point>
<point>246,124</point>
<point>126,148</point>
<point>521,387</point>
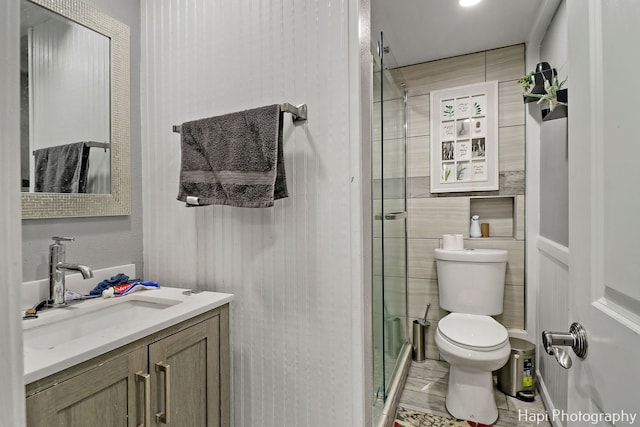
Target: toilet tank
<point>471,280</point>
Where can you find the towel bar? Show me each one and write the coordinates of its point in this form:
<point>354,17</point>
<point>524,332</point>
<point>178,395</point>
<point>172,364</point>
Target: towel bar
<point>94,144</point>
<point>299,113</point>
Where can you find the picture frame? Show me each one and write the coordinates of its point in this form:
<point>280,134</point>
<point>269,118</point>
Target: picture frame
<point>464,138</point>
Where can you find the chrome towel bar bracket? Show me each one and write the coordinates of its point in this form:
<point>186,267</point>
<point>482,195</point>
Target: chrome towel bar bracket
<point>299,113</point>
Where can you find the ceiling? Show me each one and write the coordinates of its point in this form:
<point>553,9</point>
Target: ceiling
<point>424,30</point>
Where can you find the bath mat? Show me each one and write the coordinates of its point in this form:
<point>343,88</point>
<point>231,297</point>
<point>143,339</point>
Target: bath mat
<point>409,418</point>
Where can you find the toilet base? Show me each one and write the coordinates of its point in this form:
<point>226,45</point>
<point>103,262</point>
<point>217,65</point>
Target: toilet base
<point>470,396</point>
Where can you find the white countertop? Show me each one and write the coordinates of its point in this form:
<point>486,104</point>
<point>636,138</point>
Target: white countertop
<point>44,355</point>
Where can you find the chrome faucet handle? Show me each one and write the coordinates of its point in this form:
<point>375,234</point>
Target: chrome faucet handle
<point>62,239</point>
<point>57,267</point>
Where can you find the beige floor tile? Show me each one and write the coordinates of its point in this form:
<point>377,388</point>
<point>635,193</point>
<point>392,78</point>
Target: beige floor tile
<point>515,419</point>
<point>426,387</point>
<point>419,401</point>
<point>537,406</point>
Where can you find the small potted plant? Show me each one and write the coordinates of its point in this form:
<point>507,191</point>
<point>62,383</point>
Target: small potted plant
<point>551,96</point>
<point>526,82</point>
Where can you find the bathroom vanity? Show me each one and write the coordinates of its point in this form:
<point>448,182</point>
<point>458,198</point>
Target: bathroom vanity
<point>167,362</point>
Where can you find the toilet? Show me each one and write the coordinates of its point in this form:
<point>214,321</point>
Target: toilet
<point>471,288</point>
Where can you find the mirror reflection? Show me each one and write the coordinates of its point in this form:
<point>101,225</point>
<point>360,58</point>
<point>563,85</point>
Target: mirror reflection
<point>65,105</point>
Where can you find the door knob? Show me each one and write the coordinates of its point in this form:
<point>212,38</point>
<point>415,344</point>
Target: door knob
<point>576,338</point>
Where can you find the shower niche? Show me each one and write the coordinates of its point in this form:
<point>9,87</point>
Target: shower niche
<point>504,214</point>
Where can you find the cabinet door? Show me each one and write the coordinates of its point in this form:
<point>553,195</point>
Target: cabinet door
<point>186,376</point>
<point>105,396</point>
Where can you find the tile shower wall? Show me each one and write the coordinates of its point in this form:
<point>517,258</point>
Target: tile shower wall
<point>432,215</point>
<point>295,269</point>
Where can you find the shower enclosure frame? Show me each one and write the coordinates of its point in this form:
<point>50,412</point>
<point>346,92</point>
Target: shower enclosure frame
<point>391,349</point>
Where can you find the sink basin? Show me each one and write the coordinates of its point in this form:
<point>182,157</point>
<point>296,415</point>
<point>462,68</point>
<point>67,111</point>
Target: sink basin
<point>90,318</point>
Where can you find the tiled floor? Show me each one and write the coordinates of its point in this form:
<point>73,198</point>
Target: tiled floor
<point>426,388</point>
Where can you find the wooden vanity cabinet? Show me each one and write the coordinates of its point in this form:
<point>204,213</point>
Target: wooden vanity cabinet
<point>178,376</point>
<point>102,396</point>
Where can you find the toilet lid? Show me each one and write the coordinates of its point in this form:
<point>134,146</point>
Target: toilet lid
<point>473,331</point>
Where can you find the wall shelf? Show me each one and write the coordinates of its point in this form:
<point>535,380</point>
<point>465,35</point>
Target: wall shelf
<point>539,78</point>
<point>538,87</point>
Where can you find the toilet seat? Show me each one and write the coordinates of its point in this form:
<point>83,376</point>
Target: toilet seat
<point>473,331</point>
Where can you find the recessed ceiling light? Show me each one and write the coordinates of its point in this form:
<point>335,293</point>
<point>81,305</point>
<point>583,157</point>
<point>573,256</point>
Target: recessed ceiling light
<point>467,3</point>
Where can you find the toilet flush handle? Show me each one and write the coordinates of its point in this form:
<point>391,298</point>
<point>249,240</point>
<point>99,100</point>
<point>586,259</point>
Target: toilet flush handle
<point>576,339</point>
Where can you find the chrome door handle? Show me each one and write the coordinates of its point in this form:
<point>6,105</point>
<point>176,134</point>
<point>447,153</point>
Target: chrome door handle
<point>576,338</point>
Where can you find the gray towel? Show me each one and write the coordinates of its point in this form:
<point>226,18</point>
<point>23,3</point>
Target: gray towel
<point>62,169</point>
<point>235,159</point>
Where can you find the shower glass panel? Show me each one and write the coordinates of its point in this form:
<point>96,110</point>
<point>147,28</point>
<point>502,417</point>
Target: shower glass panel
<point>389,226</point>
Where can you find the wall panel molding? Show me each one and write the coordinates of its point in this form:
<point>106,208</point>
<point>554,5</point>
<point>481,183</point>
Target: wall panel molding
<point>553,300</point>
<point>296,268</point>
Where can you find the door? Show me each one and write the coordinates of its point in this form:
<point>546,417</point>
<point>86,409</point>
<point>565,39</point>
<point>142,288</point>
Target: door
<point>186,377</point>
<point>604,208</point>
<point>106,396</point>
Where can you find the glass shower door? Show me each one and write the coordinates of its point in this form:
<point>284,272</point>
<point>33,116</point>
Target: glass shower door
<point>389,226</point>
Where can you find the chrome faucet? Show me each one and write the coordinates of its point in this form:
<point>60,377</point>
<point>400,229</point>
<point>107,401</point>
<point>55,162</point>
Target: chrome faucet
<point>57,268</point>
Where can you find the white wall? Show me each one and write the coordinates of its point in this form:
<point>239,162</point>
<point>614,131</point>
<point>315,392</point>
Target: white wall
<point>548,256</point>
<point>11,386</point>
<point>554,168</point>
<point>296,269</point>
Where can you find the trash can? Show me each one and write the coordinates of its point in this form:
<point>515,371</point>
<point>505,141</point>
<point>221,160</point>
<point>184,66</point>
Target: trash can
<point>516,378</point>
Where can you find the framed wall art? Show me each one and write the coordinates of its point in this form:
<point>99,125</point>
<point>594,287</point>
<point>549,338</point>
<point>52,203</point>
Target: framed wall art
<point>464,138</point>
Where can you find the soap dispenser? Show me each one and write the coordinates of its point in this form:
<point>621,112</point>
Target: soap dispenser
<point>474,230</point>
